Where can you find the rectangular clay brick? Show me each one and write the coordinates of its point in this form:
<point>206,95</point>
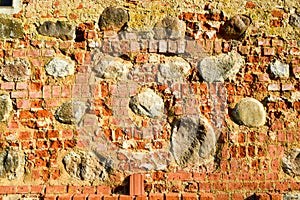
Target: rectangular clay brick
<point>106,197</point>
<point>8,189</point>
<point>50,197</point>
<point>21,86</point>
<point>37,189</point>
<point>125,197</point>
<point>287,87</point>
<point>95,197</point>
<point>206,196</point>
<point>268,51</point>
<point>23,189</point>
<point>136,184</point>
<point>189,196</point>
<point>80,197</point>
<point>8,86</point>
<point>273,87</point>
<point>19,94</point>
<point>56,189</point>
<point>103,189</point>
<point>156,196</point>
<point>65,197</point>
<point>172,196</point>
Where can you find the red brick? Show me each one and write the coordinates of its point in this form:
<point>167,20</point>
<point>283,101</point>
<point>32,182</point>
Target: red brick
<point>8,189</point>
<point>7,86</point>
<point>207,196</point>
<point>183,176</point>
<point>79,197</point>
<point>268,51</point>
<point>106,197</point>
<point>287,87</point>
<point>88,190</point>
<point>56,189</point>
<point>237,196</point>
<point>125,197</point>
<point>250,5</point>
<point>156,196</point>
<point>103,189</point>
<point>222,196</point>
<point>65,197</point>
<point>25,135</point>
<point>204,187</point>
<point>19,94</point>
<point>189,196</point>
<point>277,13</point>
<point>172,196</point>
<point>23,189</point>
<point>50,197</point>
<point>281,186</point>
<point>37,189</point>
<point>95,197</point>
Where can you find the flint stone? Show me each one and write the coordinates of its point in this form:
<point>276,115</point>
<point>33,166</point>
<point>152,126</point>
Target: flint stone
<point>235,27</point>
<point>57,29</point>
<point>60,67</point>
<point>113,18</point>
<point>295,20</point>
<point>10,29</point>
<point>249,112</point>
<point>221,67</point>
<point>16,70</point>
<point>279,69</point>
<point>192,138</point>
<point>5,107</point>
<point>9,164</point>
<point>291,163</point>
<point>70,112</point>
<point>147,103</point>
<point>84,166</point>
<point>174,68</point>
<point>110,67</point>
<point>169,27</point>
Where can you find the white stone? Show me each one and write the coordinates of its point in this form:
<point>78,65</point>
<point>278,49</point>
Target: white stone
<point>60,67</point>
<point>279,69</point>
<point>6,107</point>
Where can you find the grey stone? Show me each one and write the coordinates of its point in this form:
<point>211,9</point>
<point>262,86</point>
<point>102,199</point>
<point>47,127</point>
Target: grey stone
<point>5,107</point>
<point>110,67</point>
<point>279,69</point>
<point>60,67</point>
<point>147,103</point>
<point>84,166</point>
<point>16,70</point>
<point>70,112</point>
<point>295,20</point>
<point>113,18</point>
<point>291,196</point>
<point>221,67</point>
<point>10,29</point>
<point>10,161</point>
<point>235,27</point>
<point>249,112</point>
<point>169,27</point>
<point>192,138</point>
<point>291,163</point>
<point>12,197</point>
<point>174,68</point>
<point>57,29</point>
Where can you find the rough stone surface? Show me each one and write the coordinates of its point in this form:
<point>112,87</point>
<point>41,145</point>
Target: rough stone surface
<point>60,67</point>
<point>169,27</point>
<point>192,138</point>
<point>110,67</point>
<point>57,29</point>
<point>5,107</point>
<point>10,29</point>
<point>85,166</point>
<point>235,27</point>
<point>221,67</point>
<point>70,112</point>
<point>9,164</point>
<point>295,20</point>
<point>113,18</point>
<point>249,112</point>
<point>16,70</point>
<point>291,163</point>
<point>147,103</point>
<point>174,68</point>
<point>279,69</point>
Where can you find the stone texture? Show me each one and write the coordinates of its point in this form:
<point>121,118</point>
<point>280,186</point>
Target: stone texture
<point>10,161</point>
<point>60,67</point>
<point>169,27</point>
<point>147,103</point>
<point>174,68</point>
<point>235,27</point>
<point>249,112</point>
<point>57,29</point>
<point>110,67</point>
<point>291,163</point>
<point>113,18</point>
<point>295,20</point>
<point>10,29</point>
<point>84,165</point>
<point>5,107</point>
<point>70,112</point>
<point>192,138</point>
<point>16,70</point>
<point>279,69</point>
<point>221,67</point>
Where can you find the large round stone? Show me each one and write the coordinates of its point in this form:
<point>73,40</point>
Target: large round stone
<point>5,107</point>
<point>70,112</point>
<point>60,67</point>
<point>16,70</point>
<point>169,27</point>
<point>249,112</point>
<point>113,18</point>
<point>291,163</point>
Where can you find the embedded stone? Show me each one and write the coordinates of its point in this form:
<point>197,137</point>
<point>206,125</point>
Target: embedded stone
<point>113,18</point>
<point>291,163</point>
<point>70,112</point>
<point>249,112</point>
<point>57,29</point>
<point>295,20</point>
<point>60,67</point>
<point>110,67</point>
<point>235,27</point>
<point>169,27</point>
<point>279,69</point>
<point>192,138</point>
<point>147,103</point>
<point>5,107</point>
<point>84,166</point>
<point>10,161</point>
<point>174,68</point>
<point>10,29</point>
<point>221,67</point>
<point>16,70</point>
